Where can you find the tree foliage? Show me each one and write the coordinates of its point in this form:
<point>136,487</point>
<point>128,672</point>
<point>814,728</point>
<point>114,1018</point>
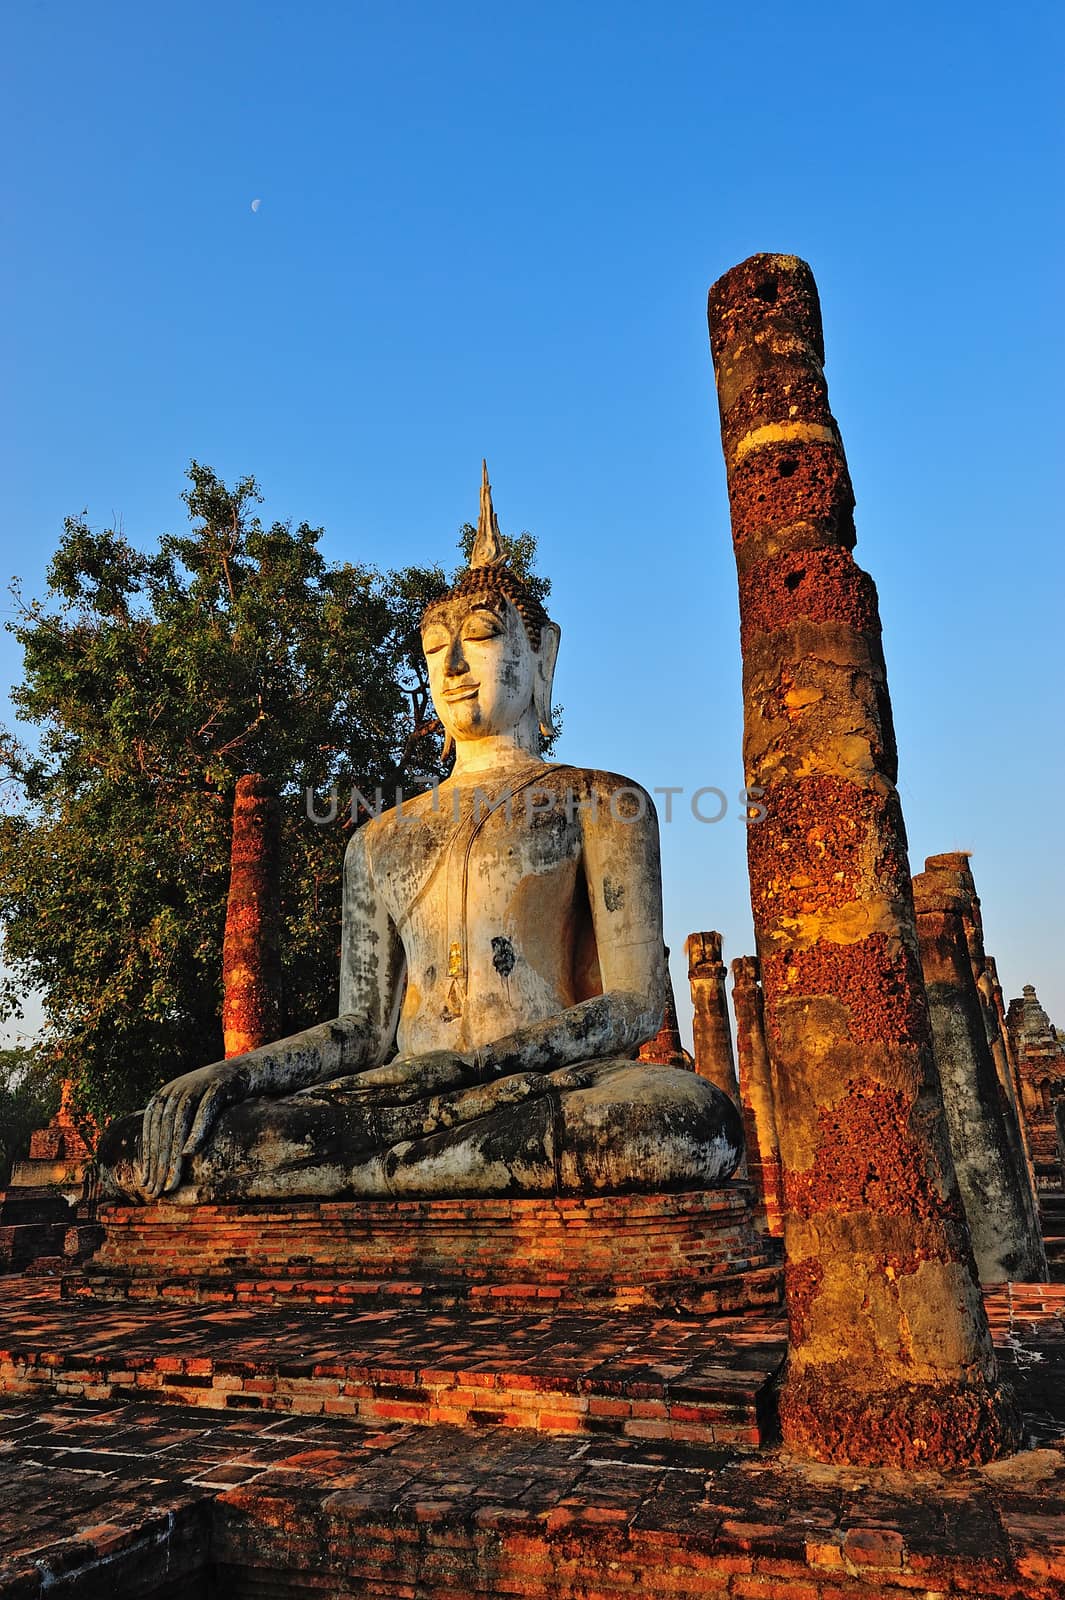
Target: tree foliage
<point>154,680</point>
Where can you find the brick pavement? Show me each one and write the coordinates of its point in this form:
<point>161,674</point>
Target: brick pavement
<point>124,1500</point>
<point>131,1497</point>
<point>694,1380</point>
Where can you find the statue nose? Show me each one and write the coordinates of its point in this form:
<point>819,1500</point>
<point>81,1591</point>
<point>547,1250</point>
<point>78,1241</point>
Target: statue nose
<point>456,660</point>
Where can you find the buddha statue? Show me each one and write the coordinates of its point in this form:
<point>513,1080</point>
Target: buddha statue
<point>502,962</point>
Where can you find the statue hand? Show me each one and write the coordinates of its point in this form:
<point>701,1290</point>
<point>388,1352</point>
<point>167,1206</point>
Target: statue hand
<point>178,1118</point>
<point>408,1078</point>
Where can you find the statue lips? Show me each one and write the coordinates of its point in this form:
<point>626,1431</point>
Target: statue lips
<point>462,691</point>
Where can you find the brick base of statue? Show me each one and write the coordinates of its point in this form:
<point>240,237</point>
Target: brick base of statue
<point>696,1251</point>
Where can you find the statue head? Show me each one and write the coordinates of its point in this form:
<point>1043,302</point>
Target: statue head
<point>490,647</point>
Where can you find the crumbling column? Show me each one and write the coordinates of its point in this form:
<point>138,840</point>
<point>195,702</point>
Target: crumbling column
<point>890,1357</point>
<point>665,1049</point>
<point>984,1138</point>
<point>251,947</point>
<point>997,1045</point>
<point>1005,1062</point>
<point>756,1092</point>
<point>1040,1058</point>
<point>712,1034</point>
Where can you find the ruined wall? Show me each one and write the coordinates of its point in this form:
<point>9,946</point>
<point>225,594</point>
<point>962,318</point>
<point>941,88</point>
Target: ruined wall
<point>890,1358</point>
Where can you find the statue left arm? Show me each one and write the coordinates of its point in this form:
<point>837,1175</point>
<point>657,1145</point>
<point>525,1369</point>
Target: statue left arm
<point>623,875</point>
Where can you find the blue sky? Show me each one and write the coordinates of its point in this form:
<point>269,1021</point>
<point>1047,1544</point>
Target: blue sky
<point>490,229</point>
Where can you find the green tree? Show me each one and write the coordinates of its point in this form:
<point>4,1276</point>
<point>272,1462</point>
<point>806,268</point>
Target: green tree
<point>154,682</point>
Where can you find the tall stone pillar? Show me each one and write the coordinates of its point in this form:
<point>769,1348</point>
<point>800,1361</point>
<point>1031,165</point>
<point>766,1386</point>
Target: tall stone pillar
<point>1005,1063</point>
<point>756,1092</point>
<point>251,946</point>
<point>985,1140</point>
<point>890,1357</point>
<point>712,1034</point>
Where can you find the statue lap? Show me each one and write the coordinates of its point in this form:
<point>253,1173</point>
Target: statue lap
<point>625,1127</point>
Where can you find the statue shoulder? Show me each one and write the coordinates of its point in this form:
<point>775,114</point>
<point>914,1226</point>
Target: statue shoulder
<point>615,787</point>
<point>604,795</point>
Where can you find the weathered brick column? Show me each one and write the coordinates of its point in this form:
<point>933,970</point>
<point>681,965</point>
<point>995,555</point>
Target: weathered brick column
<point>985,1144</point>
<point>665,1049</point>
<point>251,948</point>
<point>710,1027</point>
<point>890,1358</point>
<point>985,975</point>
<point>756,1092</point>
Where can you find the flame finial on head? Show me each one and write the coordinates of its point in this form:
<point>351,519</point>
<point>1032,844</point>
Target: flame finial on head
<point>488,545</point>
<point>488,572</point>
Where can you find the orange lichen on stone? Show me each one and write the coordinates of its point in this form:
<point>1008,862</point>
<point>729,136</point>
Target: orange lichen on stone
<point>780,484</point>
<point>825,585</point>
<point>867,1157</point>
<point>783,391</point>
<point>825,832</point>
<point>802,1282</point>
<point>954,1424</point>
<point>879,987</point>
<point>251,959</point>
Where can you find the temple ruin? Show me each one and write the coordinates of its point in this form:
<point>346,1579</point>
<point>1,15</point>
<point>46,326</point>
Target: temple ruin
<point>478,1288</point>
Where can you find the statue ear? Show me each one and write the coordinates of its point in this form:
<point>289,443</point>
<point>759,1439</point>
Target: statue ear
<point>547,655</point>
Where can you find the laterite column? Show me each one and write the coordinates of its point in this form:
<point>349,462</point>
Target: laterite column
<point>890,1358</point>
<point>989,985</point>
<point>665,1049</point>
<point>988,1156</point>
<point>251,947</point>
<point>710,1026</point>
<point>756,1092</point>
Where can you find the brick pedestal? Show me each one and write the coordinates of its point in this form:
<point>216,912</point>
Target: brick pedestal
<point>699,1250</point>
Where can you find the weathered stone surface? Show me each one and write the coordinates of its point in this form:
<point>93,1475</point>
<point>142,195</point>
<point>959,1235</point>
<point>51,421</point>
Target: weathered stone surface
<point>502,962</point>
<point>251,948</point>
<point>985,1137</point>
<point>890,1359</point>
<point>712,1035</point>
<point>1005,1060</point>
<point>756,1093</point>
<point>1040,1058</point>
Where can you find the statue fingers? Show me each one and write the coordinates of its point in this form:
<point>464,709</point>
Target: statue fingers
<point>215,1100</point>
<point>184,1111</point>
<point>572,1077</point>
<point>164,1140</point>
<point>469,1104</point>
<point>153,1113</point>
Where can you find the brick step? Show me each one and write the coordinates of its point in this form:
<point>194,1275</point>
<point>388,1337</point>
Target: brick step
<point>698,1381</point>
<point>116,1500</point>
<point>752,1285</point>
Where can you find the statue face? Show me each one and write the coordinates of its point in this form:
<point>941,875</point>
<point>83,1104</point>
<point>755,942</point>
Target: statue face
<point>482,668</point>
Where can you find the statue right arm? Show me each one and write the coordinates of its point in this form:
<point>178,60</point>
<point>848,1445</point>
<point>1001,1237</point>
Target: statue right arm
<point>179,1117</point>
